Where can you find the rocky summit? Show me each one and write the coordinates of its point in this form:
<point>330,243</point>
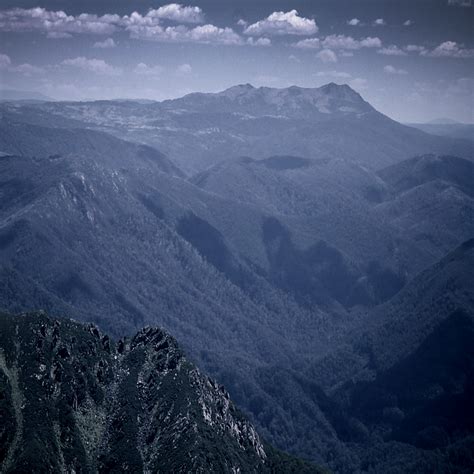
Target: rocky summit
<point>73,400</point>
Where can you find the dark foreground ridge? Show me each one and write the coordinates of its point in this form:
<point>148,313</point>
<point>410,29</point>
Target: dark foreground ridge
<point>73,400</point>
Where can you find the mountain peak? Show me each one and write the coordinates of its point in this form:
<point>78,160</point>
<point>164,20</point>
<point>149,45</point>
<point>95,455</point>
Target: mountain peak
<point>292,100</point>
<point>340,91</point>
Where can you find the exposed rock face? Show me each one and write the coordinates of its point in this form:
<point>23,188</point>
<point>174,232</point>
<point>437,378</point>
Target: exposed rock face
<point>72,400</point>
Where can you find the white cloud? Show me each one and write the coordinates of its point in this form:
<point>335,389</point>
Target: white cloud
<point>464,86</point>
<point>309,43</point>
<point>259,41</point>
<point>24,69</point>
<point>58,35</point>
<point>348,42</point>
<point>392,70</point>
<point>56,24</point>
<point>97,66</point>
<point>354,22</point>
<point>283,23</point>
<point>184,69</point>
<point>154,25</point>
<point>243,23</point>
<point>379,22</point>
<point>178,13</point>
<point>460,3</point>
<point>450,49</point>
<point>339,42</point>
<point>392,50</point>
<point>27,69</point>
<point>414,48</point>
<point>107,43</point>
<point>327,56</point>
<point>408,23</point>
<point>359,84</point>
<point>334,74</point>
<point>5,61</point>
<point>199,34</point>
<point>143,69</point>
<point>214,34</point>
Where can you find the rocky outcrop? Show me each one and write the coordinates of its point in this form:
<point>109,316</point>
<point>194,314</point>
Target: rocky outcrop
<point>73,400</point>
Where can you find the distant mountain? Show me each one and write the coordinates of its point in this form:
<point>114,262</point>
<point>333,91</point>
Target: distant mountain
<point>41,142</point>
<point>443,121</point>
<point>74,400</point>
<point>200,130</point>
<point>292,102</point>
<point>16,95</point>
<point>447,128</point>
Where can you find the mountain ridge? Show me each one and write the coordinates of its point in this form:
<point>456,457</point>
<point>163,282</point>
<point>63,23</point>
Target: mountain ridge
<point>95,405</point>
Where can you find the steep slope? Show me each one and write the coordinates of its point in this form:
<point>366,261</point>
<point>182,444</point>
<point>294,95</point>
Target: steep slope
<point>394,330</point>
<point>430,192</point>
<point>200,130</point>
<point>397,395</point>
<point>24,139</point>
<point>72,399</point>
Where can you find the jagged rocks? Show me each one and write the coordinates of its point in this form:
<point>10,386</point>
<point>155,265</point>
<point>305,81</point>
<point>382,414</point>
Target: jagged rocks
<point>71,400</point>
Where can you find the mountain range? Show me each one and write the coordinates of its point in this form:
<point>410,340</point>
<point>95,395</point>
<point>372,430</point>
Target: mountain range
<point>303,248</point>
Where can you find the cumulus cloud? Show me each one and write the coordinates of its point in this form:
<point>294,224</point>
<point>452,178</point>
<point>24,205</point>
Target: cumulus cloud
<point>327,56</point>
<point>56,24</point>
<point>178,13</point>
<point>393,70</point>
<point>243,23</point>
<point>339,42</point>
<point>347,42</point>
<point>283,23</point>
<point>392,50</point>
<point>359,84</point>
<point>24,69</point>
<point>354,22</point>
<point>259,41</point>
<point>97,66</point>
<point>199,34</point>
<point>107,43</point>
<point>154,25</point>
<point>58,35</point>
<point>464,86</point>
<point>143,69</point>
<point>309,43</point>
<point>450,49</point>
<point>408,23</point>
<point>27,69</point>
<point>5,61</point>
<point>415,48</point>
<point>184,69</point>
<point>460,3</point>
<point>379,22</point>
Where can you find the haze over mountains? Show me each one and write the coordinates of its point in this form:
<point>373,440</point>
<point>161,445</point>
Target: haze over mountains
<point>303,248</point>
<point>200,130</point>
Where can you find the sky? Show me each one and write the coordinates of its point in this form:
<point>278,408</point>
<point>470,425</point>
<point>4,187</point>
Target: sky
<point>411,59</point>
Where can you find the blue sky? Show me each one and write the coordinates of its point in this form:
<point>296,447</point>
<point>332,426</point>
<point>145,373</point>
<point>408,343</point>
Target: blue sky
<point>413,60</point>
